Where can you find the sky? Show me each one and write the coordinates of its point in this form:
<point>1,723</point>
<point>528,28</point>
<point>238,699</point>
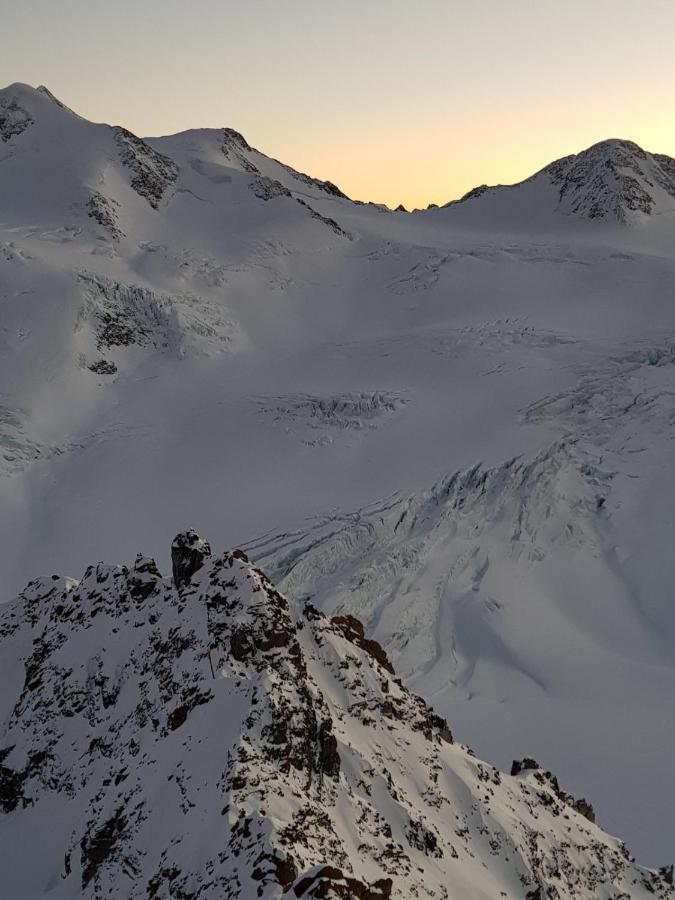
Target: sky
<point>395,101</point>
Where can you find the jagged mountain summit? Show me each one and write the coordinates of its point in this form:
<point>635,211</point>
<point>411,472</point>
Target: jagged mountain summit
<point>202,737</point>
<point>100,167</point>
<point>612,181</point>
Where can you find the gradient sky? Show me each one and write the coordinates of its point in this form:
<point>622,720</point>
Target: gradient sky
<point>395,101</point>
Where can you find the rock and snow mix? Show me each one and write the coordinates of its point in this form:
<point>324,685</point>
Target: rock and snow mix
<point>203,737</point>
<point>613,180</point>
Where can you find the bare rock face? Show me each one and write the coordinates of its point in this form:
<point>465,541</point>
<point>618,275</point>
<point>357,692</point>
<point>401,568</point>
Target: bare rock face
<point>524,765</point>
<point>152,173</point>
<point>352,629</point>
<point>144,579</point>
<point>188,553</point>
<point>531,767</point>
<point>105,211</point>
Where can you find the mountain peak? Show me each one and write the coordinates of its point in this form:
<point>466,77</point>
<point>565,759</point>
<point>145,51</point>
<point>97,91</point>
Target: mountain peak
<point>613,145</point>
<point>21,105</point>
<point>42,89</point>
<point>16,103</point>
<point>207,737</point>
<point>614,180</point>
<point>22,93</point>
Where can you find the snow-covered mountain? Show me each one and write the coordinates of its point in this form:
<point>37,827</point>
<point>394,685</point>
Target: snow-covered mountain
<point>612,181</point>
<point>203,737</point>
<point>456,425</point>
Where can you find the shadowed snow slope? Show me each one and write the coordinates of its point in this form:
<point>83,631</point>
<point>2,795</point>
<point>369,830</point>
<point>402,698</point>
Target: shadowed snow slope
<point>215,741</point>
<point>456,425</point>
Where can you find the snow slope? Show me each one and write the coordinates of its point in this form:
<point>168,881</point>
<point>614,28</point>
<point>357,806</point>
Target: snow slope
<point>205,738</point>
<point>192,330</point>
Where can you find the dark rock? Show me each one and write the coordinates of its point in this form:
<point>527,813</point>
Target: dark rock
<point>437,724</point>
<point>585,809</point>
<point>179,715</point>
<point>13,120</point>
<point>97,848</point>
<point>115,332</point>
<point>329,883</point>
<point>423,839</point>
<point>152,173</point>
<point>144,578</point>
<point>536,894</point>
<point>273,868</point>
<point>103,367</point>
<point>104,211</point>
<point>331,223</point>
<point>11,787</point>
<point>188,552</point>
<point>521,765</point>
<point>267,188</point>
<point>241,645</point>
<point>352,629</point>
<point>582,806</point>
<point>329,758</point>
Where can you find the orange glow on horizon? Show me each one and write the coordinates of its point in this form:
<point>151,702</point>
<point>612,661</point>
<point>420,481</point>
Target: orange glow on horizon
<point>394,102</point>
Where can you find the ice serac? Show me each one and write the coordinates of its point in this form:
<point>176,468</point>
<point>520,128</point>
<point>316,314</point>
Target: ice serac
<point>208,739</point>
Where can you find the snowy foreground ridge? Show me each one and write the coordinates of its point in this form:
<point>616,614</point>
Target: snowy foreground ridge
<point>455,425</point>
<point>202,737</point>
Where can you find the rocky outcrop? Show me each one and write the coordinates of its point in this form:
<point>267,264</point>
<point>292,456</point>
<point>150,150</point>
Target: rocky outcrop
<point>353,630</point>
<point>268,188</point>
<point>530,766</point>
<point>188,554</point>
<point>116,314</point>
<point>152,173</point>
<point>330,223</point>
<point>105,211</point>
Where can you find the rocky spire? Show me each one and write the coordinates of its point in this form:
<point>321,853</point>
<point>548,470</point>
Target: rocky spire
<point>188,553</point>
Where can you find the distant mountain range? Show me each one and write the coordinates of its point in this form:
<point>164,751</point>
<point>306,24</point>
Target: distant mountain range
<point>613,180</point>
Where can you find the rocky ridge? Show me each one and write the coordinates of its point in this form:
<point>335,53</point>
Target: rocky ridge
<point>201,737</point>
